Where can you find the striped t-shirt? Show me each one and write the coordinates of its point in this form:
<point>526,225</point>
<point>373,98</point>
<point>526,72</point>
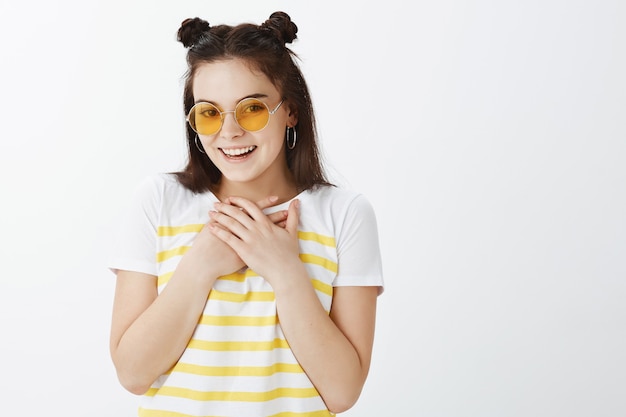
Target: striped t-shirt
<point>238,362</point>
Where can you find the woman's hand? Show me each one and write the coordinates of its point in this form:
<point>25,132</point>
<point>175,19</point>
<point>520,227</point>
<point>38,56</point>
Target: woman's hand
<point>333,349</point>
<point>223,260</point>
<point>267,248</point>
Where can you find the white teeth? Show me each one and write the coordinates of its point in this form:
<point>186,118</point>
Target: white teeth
<point>237,152</point>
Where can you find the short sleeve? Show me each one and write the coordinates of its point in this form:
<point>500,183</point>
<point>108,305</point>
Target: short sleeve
<point>358,249</point>
<point>135,232</point>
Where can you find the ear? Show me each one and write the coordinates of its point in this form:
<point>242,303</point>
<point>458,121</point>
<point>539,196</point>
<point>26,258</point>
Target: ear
<point>293,115</point>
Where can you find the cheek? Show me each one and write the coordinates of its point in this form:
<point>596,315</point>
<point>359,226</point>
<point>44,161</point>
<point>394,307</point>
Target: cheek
<point>278,138</point>
<point>203,141</point>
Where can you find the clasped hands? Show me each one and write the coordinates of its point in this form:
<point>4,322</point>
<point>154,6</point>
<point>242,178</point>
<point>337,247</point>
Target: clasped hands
<point>239,234</point>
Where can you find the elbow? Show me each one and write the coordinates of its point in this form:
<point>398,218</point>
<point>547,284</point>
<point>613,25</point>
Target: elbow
<point>337,404</point>
<point>133,385</point>
<point>337,407</point>
<point>131,379</point>
<point>137,389</point>
<point>346,392</point>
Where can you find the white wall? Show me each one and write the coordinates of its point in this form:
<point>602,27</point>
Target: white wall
<point>489,135</point>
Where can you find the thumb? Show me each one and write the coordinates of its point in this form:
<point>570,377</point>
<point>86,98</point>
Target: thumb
<point>293,215</point>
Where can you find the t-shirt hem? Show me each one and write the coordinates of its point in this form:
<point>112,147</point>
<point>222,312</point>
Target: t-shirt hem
<point>135,266</point>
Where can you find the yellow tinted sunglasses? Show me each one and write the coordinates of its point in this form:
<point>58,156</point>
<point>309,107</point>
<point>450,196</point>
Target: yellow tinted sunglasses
<point>251,114</point>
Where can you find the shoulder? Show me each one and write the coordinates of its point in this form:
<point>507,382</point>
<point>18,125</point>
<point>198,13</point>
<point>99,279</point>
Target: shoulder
<point>338,200</point>
<point>336,207</point>
<point>161,184</point>
<point>329,194</point>
<point>163,192</point>
<point>159,181</point>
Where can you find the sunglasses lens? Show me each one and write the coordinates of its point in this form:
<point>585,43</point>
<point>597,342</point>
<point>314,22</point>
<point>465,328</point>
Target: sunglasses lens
<point>252,114</point>
<point>205,118</point>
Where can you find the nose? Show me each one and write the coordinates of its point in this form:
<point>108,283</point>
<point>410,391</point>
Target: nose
<point>230,127</point>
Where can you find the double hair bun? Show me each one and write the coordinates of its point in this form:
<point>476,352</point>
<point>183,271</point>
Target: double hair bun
<point>193,31</point>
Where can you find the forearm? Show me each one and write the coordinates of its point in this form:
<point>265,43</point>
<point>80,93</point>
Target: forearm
<point>327,356</point>
<point>156,339</point>
<point>334,350</point>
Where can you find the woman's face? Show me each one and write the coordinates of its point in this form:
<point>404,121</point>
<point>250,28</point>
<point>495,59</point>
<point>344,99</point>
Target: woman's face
<point>257,157</point>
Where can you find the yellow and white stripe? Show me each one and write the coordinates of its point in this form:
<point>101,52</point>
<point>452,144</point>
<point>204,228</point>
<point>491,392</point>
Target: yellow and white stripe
<point>238,361</point>
<point>238,353</point>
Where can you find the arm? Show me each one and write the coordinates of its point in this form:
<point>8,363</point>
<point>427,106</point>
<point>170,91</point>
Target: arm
<point>334,350</point>
<point>149,332</point>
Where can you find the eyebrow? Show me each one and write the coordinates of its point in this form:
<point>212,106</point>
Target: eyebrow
<point>255,95</point>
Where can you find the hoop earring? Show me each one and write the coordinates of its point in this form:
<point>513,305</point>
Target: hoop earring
<point>293,138</point>
<point>198,145</point>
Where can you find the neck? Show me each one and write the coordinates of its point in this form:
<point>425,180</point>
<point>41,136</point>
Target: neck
<point>256,191</point>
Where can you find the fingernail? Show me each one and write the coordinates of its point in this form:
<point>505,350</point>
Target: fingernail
<point>273,198</point>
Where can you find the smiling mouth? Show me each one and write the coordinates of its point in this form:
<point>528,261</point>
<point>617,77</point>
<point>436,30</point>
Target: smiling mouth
<point>238,152</point>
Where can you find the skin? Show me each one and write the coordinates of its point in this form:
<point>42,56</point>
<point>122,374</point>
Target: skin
<point>224,84</point>
<point>149,333</point>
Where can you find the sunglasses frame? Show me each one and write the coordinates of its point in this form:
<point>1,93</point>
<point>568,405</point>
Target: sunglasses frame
<point>223,114</point>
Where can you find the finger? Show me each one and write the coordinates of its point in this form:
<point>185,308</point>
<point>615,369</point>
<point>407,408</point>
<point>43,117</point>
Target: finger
<point>233,210</point>
<point>262,204</point>
<point>267,202</point>
<point>293,215</point>
<point>231,219</point>
<point>225,235</point>
<point>248,207</point>
<point>278,217</point>
<point>228,201</point>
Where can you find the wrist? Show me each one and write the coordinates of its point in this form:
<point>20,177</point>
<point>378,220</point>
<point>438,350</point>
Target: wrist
<point>290,280</point>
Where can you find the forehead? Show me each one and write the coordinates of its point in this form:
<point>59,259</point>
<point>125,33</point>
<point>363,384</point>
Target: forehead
<point>228,81</point>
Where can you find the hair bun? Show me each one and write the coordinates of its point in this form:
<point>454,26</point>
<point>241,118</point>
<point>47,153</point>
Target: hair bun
<point>281,26</point>
<point>191,30</point>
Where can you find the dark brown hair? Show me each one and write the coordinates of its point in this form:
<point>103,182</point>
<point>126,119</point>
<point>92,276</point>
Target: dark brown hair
<point>264,48</point>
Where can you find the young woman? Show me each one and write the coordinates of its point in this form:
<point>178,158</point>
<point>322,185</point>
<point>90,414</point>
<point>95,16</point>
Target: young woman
<point>246,283</point>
